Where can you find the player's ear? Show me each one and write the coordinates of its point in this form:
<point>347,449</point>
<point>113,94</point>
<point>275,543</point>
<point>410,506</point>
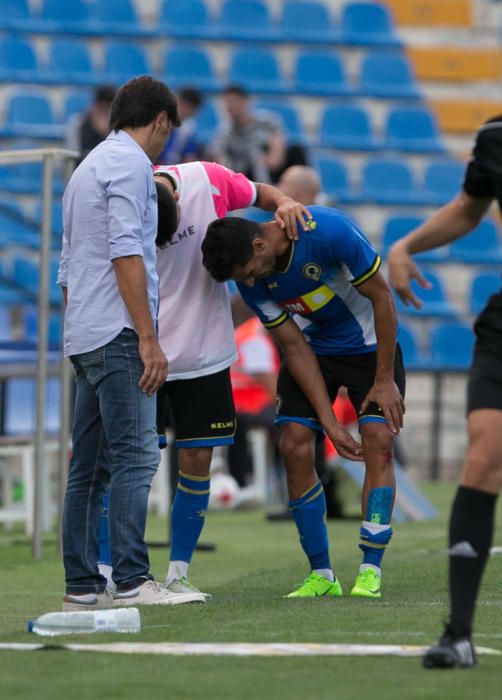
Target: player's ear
<point>258,245</point>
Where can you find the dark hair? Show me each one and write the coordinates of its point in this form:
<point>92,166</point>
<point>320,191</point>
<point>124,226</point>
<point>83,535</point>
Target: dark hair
<point>228,242</point>
<point>139,101</point>
<point>104,93</point>
<point>191,95</point>
<point>235,89</point>
<point>168,215</point>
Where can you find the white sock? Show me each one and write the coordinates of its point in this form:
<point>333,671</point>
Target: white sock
<point>177,569</point>
<point>106,571</point>
<point>376,569</point>
<point>325,573</point>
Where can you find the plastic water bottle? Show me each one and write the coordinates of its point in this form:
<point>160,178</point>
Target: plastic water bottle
<point>56,623</point>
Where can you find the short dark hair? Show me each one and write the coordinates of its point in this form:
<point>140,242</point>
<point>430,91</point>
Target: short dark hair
<point>191,95</point>
<point>228,243</point>
<point>236,89</point>
<point>104,93</point>
<point>139,101</point>
<point>168,215</point>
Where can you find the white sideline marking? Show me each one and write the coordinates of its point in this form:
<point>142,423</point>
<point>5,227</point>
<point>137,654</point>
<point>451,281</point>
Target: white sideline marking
<point>239,649</point>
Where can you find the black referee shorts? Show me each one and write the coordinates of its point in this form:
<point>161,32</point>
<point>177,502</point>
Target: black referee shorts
<point>356,372</point>
<point>484,388</point>
<point>200,410</point>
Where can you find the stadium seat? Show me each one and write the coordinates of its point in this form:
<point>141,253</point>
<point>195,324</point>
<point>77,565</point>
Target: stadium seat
<point>30,326</point>
<point>398,226</point>
<point>481,246</point>
<point>289,118</point>
<point>18,62</point>
<point>186,20</point>
<point>14,230</point>
<point>206,120</point>
<point>432,14</point>
<point>434,300</point>
<point>75,103</point>
<point>25,179</point>
<point>14,14</point>
<point>451,346</point>
<point>20,395</point>
<point>29,114</point>
<point>413,358</point>
<point>117,17</point>
<point>70,63</point>
<point>26,275</point>
<point>56,217</point>
<point>347,127</point>
<point>442,181</point>
<point>189,67</point>
<point>387,181</point>
<point>367,23</point>
<point>61,16</point>
<point>481,288</point>
<point>387,75</point>
<point>335,181</point>
<point>5,322</point>
<point>124,61</point>
<point>318,73</point>
<point>246,20</point>
<point>304,22</point>
<point>257,70</point>
<point>413,130</point>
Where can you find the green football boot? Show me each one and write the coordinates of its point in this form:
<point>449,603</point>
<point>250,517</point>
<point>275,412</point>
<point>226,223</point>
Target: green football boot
<point>316,586</point>
<point>367,585</point>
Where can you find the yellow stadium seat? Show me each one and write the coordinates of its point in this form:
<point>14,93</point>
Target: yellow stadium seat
<point>463,116</point>
<point>454,63</point>
<point>432,13</point>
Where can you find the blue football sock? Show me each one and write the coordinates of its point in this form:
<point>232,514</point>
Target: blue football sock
<point>104,556</point>
<point>375,530</point>
<point>187,515</point>
<point>309,513</point>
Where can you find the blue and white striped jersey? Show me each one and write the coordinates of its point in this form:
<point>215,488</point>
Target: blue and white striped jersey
<point>319,286</point>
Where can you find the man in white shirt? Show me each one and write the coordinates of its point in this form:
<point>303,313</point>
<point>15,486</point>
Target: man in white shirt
<point>110,285</point>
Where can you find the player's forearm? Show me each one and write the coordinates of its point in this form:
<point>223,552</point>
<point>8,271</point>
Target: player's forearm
<point>131,280</point>
<point>269,197</point>
<point>452,221</point>
<point>384,313</point>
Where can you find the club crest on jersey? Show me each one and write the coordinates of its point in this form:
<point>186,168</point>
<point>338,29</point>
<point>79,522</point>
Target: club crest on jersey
<point>311,224</point>
<point>312,271</point>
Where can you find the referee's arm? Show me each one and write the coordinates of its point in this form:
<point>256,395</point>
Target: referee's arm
<point>452,221</point>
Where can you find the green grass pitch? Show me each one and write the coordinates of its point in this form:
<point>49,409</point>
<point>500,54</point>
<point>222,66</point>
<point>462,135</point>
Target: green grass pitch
<point>255,564</point>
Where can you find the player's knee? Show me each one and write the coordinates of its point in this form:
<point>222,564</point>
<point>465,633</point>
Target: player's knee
<point>377,442</point>
<point>482,470</point>
<point>196,460</point>
<point>295,443</point>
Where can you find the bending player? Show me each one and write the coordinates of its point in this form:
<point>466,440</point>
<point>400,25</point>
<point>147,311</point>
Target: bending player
<point>330,278</point>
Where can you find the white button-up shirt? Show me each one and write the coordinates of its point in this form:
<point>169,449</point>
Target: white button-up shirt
<point>109,211</point>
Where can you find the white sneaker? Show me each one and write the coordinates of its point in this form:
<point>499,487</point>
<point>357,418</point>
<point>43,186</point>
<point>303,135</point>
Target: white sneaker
<point>183,585</point>
<point>152,593</point>
<point>87,601</point>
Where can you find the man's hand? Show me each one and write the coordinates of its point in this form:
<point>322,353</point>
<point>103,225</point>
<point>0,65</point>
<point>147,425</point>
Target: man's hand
<point>402,270</point>
<point>288,213</point>
<point>155,365</point>
<point>387,396</point>
<point>344,443</point>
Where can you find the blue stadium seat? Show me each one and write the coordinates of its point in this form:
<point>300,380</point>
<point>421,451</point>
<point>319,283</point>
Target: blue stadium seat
<point>388,181</point>
<point>434,300</point>
<point>75,103</point>
<point>14,230</point>
<point>117,17</point>
<point>412,356</point>
<point>20,417</point>
<point>481,288</point>
<point>289,118</point>
<point>481,246</point>
<point>70,62</point>
<point>56,217</point>
<point>189,67</point>
<point>29,114</point>
<point>398,226</point>
<point>26,276</point>
<point>318,73</point>
<point>61,16</point>
<point>24,179</point>
<point>186,20</point>
<point>246,20</point>
<point>124,61</point>
<point>257,70</point>
<point>451,346</point>
<point>14,14</point>
<point>347,127</point>
<point>207,121</point>
<point>442,181</point>
<point>5,322</point>
<point>30,326</point>
<point>387,75</point>
<point>18,61</point>
<point>335,181</point>
<point>304,22</point>
<point>413,130</point>
<point>367,24</point>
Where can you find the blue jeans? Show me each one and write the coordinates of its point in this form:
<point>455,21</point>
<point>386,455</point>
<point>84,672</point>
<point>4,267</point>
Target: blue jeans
<point>115,444</point>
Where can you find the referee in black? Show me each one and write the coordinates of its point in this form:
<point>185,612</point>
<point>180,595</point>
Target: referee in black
<point>472,514</point>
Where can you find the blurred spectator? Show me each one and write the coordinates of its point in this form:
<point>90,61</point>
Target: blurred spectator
<point>250,141</point>
<point>91,127</point>
<point>301,182</point>
<point>182,145</point>
<point>254,379</point>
